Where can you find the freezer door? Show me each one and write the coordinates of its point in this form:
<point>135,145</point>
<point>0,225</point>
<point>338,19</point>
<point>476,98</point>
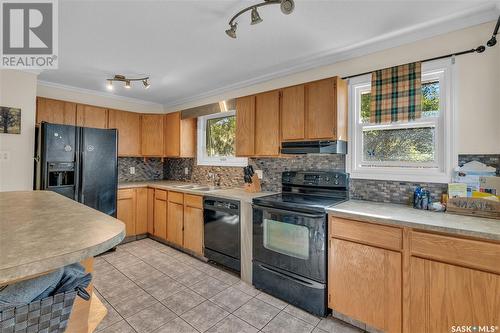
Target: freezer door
<point>98,169</point>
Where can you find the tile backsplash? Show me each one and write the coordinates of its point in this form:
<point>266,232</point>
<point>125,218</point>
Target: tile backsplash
<point>149,169</point>
<point>363,189</point>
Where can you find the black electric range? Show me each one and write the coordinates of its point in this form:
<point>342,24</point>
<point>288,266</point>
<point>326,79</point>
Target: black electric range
<point>290,237</point>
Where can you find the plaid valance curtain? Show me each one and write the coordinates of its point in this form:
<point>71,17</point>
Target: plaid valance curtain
<point>396,94</point>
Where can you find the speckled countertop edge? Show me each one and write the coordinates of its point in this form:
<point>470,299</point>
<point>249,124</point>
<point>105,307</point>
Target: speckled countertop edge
<point>228,193</point>
<point>401,215</point>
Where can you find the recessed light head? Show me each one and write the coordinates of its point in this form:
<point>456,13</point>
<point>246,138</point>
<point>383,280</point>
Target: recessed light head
<point>287,6</point>
<point>255,16</point>
<point>492,41</point>
<point>109,85</point>
<point>231,32</point>
<point>127,84</point>
<point>146,84</point>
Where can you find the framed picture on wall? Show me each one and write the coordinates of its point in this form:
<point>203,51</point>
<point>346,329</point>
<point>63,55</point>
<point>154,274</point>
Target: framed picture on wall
<point>10,120</point>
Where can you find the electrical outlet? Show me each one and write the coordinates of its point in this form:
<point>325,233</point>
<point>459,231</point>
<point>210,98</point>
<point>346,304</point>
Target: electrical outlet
<point>186,171</point>
<point>259,174</point>
<point>132,170</point>
<point>4,155</point>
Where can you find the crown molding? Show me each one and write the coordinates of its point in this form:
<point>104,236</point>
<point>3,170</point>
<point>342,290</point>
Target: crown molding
<point>99,93</point>
<point>464,19</point>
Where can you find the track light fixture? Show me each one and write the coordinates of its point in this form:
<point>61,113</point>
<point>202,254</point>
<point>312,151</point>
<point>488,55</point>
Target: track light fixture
<point>493,39</point>
<point>127,81</point>
<point>287,7</point>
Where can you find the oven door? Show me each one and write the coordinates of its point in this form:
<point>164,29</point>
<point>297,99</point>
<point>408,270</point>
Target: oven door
<point>290,240</point>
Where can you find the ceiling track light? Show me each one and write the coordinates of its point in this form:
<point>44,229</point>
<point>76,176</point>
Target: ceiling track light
<point>287,7</point>
<point>127,81</point>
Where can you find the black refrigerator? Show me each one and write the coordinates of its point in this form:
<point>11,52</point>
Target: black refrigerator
<point>80,163</point>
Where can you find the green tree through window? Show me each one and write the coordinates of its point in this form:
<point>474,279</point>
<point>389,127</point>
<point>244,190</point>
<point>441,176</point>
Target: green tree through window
<point>220,136</point>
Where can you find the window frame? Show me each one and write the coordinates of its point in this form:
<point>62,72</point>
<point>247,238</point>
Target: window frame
<point>201,157</point>
<point>439,171</point>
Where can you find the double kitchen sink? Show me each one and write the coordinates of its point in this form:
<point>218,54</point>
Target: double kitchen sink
<point>197,187</point>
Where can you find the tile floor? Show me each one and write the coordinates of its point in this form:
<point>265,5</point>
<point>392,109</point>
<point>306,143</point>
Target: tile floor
<point>150,287</point>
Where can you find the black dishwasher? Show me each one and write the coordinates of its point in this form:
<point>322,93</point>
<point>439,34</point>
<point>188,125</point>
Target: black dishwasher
<point>222,231</point>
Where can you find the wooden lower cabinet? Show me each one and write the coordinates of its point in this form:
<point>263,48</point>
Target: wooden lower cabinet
<point>445,295</point>
<point>126,210</point>
<point>151,210</point>
<point>412,281</point>
<point>175,223</point>
<point>141,215</point>
<point>365,284</point>
<point>193,223</point>
<point>160,214</point>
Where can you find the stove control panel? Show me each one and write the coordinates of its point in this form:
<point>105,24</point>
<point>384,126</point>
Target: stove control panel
<point>315,178</point>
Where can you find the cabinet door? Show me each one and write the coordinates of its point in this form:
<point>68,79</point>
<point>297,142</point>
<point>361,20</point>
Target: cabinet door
<point>91,116</point>
<point>193,223</point>
<point>128,125</point>
<point>320,109</point>
<point>160,214</point>
<point>364,283</point>
<point>175,222</point>
<point>293,113</point>
<point>126,212</point>
<point>267,121</point>
<point>444,295</point>
<point>245,126</point>
<point>151,210</point>
<point>173,134</point>
<point>152,135</point>
<point>55,111</point>
<point>141,216</point>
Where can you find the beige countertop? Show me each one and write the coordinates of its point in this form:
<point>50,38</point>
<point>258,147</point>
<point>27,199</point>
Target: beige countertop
<point>228,193</point>
<point>42,230</point>
<point>400,215</point>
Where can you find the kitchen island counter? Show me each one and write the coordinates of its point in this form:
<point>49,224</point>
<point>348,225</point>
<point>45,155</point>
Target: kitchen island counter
<point>41,231</point>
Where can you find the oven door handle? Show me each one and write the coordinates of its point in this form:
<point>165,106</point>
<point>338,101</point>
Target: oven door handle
<point>294,277</point>
<point>294,212</point>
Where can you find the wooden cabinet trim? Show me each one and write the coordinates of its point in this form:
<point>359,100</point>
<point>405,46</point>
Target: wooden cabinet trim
<point>466,252</point>
<point>195,201</point>
<point>160,194</point>
<point>177,197</point>
<point>367,233</point>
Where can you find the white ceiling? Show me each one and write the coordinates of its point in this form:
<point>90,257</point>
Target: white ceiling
<point>182,46</point>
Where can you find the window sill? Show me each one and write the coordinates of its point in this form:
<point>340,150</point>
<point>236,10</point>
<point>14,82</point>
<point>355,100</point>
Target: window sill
<point>228,163</point>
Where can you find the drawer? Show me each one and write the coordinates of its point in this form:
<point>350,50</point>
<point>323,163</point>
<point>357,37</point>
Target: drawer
<point>460,251</point>
<point>161,195</point>
<point>176,197</point>
<point>195,201</point>
<point>127,193</point>
<point>373,234</point>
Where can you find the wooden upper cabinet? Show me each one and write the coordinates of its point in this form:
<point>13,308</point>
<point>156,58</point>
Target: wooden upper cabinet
<point>152,137</point>
<point>320,114</point>
<point>267,124</point>
<point>91,116</point>
<point>180,136</point>
<point>128,125</point>
<point>293,113</point>
<point>55,111</point>
<point>245,126</point>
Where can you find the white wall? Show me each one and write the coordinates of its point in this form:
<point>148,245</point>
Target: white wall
<point>97,98</point>
<point>478,79</point>
<point>18,89</point>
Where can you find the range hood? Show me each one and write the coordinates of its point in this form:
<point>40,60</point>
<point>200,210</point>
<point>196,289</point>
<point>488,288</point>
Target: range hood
<point>314,147</point>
